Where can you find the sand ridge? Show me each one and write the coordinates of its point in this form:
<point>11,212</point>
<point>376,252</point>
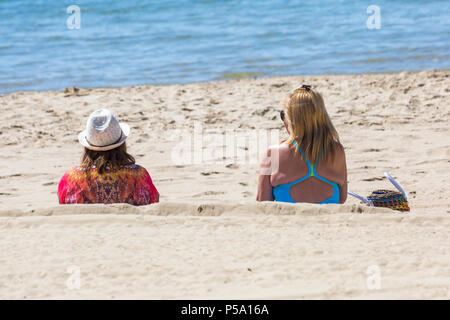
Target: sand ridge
<point>248,257</point>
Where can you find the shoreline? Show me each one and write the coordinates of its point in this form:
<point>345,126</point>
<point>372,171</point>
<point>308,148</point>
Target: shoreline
<point>220,80</point>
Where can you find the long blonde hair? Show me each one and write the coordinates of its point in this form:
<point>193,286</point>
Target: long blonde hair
<point>310,126</point>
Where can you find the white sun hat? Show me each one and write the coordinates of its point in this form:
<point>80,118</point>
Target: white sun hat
<point>103,132</point>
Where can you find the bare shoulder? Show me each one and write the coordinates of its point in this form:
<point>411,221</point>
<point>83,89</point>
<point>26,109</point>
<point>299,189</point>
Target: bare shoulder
<point>340,151</point>
<point>271,159</point>
<point>339,159</point>
<point>283,149</point>
<point>277,149</point>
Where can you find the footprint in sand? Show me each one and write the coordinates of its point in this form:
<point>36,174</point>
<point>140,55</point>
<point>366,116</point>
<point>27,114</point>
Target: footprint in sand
<point>207,173</point>
<point>279,85</point>
<point>74,91</point>
<point>213,101</point>
<point>11,176</point>
<point>262,112</point>
<point>373,179</point>
<point>208,193</point>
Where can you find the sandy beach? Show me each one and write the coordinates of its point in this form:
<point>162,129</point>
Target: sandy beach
<point>208,237</point>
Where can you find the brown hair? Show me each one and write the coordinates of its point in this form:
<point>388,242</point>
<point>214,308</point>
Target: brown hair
<point>310,126</point>
<point>102,160</point>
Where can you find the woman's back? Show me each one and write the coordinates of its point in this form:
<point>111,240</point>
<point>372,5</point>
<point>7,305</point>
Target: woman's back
<point>108,173</point>
<point>129,184</point>
<point>309,166</point>
<point>298,180</point>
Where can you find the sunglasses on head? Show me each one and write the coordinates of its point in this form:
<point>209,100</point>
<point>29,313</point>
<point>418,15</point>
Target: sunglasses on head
<point>282,115</point>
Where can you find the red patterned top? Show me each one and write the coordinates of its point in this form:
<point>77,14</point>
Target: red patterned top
<point>130,184</point>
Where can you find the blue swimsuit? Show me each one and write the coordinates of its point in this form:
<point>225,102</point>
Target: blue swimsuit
<point>282,192</point>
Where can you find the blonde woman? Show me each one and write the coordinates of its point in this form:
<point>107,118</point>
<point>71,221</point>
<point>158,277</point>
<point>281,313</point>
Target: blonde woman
<point>310,166</point>
<point>107,173</point>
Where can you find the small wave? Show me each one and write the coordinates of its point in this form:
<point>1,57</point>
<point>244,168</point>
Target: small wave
<point>375,60</point>
<point>240,75</point>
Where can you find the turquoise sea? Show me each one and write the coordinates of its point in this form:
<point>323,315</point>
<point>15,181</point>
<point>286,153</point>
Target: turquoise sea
<point>129,42</point>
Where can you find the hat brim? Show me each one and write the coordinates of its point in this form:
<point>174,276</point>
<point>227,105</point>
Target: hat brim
<point>125,133</point>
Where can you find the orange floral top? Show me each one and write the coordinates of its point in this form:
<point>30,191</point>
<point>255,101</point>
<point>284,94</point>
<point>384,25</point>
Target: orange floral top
<point>130,184</point>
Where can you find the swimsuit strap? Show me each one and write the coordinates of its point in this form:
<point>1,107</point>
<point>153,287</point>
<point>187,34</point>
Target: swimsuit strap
<point>282,191</point>
<point>300,149</point>
<point>310,167</point>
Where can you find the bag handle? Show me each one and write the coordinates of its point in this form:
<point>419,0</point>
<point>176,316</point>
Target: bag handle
<point>365,200</point>
<point>396,184</point>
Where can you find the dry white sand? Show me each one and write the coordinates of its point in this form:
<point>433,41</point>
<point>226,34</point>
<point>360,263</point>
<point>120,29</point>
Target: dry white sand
<point>208,238</point>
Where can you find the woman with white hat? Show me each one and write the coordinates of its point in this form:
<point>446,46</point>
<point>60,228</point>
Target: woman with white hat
<point>107,174</point>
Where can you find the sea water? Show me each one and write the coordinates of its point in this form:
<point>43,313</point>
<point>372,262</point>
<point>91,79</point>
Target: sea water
<point>53,44</point>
